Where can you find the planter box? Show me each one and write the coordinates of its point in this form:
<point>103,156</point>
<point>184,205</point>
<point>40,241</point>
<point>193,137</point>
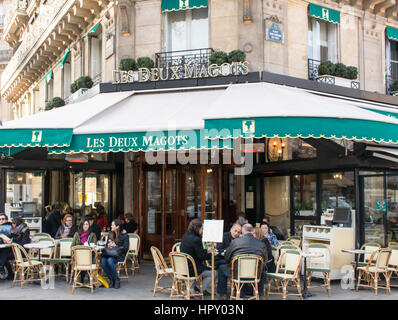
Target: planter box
<point>348,83</point>
<point>77,94</point>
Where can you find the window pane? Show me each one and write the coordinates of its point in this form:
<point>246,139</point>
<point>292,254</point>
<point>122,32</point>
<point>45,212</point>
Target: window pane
<point>199,29</point>
<point>192,178</point>
<point>304,195</point>
<point>338,190</point>
<point>154,202</point>
<point>171,202</point>
<point>96,56</point>
<point>392,208</point>
<point>211,187</point>
<point>374,207</point>
<point>67,79</point>
<point>177,28</point>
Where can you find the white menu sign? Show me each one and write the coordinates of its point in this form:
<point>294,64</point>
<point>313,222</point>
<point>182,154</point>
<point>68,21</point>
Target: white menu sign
<point>213,231</point>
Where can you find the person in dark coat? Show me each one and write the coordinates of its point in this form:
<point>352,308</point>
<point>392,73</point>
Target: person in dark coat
<point>54,220</point>
<point>116,239</point>
<point>246,244</point>
<point>131,226</point>
<point>228,236</point>
<point>93,226</point>
<point>191,243</point>
<point>20,234</point>
<point>270,264</point>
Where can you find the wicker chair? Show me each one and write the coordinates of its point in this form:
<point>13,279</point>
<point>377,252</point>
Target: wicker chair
<point>321,265</point>
<point>122,265</point>
<point>393,263</point>
<point>275,253</point>
<point>369,246</point>
<point>162,270</point>
<point>281,248</point>
<point>83,261</point>
<point>296,240</point>
<point>290,273</point>
<point>45,254</point>
<point>41,235</point>
<point>64,258</point>
<point>176,247</point>
<point>372,272</point>
<point>24,265</point>
<point>182,280</point>
<point>134,250</point>
<point>249,268</point>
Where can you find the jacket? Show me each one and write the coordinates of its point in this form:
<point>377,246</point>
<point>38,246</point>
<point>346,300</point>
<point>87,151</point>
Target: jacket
<point>191,243</point>
<point>131,226</point>
<point>61,229</point>
<point>246,245</point>
<point>22,237</point>
<point>92,238</point>
<point>53,223</point>
<point>124,243</point>
<point>95,228</point>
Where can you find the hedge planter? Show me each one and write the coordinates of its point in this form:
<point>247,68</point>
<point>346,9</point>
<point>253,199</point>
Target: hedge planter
<point>338,81</point>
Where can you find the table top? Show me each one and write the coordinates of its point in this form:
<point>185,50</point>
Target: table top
<point>308,254</point>
<point>357,251</point>
<point>5,245</point>
<point>39,245</point>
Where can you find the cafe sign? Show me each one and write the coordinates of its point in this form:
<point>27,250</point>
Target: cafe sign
<point>186,71</point>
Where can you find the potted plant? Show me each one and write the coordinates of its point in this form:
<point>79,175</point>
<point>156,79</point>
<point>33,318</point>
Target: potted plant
<point>236,56</point>
<point>394,88</point>
<point>55,102</point>
<point>129,64</point>
<point>145,62</point>
<point>220,58</point>
<point>338,74</point>
<point>80,86</point>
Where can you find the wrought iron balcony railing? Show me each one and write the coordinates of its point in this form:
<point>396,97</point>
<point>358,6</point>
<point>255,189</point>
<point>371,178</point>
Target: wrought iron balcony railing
<point>391,75</point>
<point>313,68</point>
<point>200,57</point>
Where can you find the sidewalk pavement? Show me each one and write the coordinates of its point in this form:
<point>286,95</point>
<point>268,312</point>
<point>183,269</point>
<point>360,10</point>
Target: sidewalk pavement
<point>141,286</point>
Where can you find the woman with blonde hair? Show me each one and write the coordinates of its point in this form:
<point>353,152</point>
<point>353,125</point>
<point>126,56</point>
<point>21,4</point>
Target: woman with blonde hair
<point>270,264</point>
<point>67,229</point>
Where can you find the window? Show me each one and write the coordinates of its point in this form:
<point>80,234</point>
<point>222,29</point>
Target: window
<point>391,61</point>
<point>96,58</point>
<point>338,190</point>
<point>186,29</point>
<point>322,40</point>
<point>50,89</point>
<point>67,77</point>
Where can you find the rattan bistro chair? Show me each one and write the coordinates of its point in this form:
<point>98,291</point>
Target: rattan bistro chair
<point>290,273</point>
<point>64,258</point>
<point>83,261</point>
<point>368,246</point>
<point>122,265</point>
<point>182,280</point>
<point>176,247</point>
<point>320,265</point>
<point>162,269</point>
<point>246,269</point>
<point>282,248</point>
<point>393,263</point>
<point>296,240</point>
<point>25,266</point>
<point>371,272</point>
<point>134,250</point>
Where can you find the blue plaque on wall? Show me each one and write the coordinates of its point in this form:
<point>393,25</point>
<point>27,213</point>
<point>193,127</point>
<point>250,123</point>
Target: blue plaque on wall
<point>274,33</point>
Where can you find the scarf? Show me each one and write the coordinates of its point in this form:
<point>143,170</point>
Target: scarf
<point>66,231</point>
<point>84,237</point>
<point>18,229</point>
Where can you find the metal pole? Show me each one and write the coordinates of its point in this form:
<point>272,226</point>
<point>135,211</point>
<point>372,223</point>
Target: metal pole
<point>212,271</point>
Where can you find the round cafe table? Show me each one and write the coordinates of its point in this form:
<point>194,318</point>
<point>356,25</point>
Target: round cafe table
<point>356,252</point>
<point>39,246</point>
<point>308,255</point>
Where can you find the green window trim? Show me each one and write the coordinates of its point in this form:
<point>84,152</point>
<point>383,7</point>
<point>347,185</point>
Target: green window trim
<point>49,76</point>
<point>324,13</point>
<point>176,5</point>
<point>392,33</point>
<point>64,58</point>
<point>93,29</point>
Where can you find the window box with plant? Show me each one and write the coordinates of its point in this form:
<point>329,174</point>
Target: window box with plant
<point>80,86</point>
<point>394,88</point>
<point>338,74</point>
<point>224,60</point>
<point>131,65</point>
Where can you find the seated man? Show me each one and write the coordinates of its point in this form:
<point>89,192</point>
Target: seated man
<point>228,236</point>
<point>247,244</point>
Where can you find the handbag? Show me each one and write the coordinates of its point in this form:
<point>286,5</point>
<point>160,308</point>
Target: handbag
<point>115,252</point>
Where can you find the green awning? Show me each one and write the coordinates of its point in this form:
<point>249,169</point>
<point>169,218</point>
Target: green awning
<point>303,127</point>
<point>93,29</point>
<point>324,13</point>
<point>49,76</point>
<point>175,5</point>
<point>141,141</point>
<point>65,57</point>
<point>392,33</point>
<point>35,137</point>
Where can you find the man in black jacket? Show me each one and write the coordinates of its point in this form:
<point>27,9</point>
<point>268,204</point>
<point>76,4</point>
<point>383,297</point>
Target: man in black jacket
<point>54,220</point>
<point>228,236</point>
<point>191,243</point>
<point>247,244</point>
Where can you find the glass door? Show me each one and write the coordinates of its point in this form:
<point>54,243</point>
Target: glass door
<point>172,201</point>
<point>392,208</point>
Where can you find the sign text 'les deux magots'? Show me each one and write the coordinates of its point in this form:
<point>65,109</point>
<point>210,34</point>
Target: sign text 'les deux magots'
<point>180,72</point>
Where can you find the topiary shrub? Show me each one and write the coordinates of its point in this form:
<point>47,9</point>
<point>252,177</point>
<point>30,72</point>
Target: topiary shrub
<point>127,64</point>
<point>236,56</point>
<point>352,72</point>
<point>326,68</point>
<point>218,58</point>
<point>145,62</point>
<point>81,82</point>
<point>55,102</point>
<point>341,70</point>
<point>394,86</point>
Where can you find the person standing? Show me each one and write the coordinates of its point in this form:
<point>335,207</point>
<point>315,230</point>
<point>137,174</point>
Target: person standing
<point>54,220</point>
<point>118,242</point>
<point>191,243</point>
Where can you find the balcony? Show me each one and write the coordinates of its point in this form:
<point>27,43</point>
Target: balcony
<point>391,75</point>
<point>168,59</point>
<point>16,22</point>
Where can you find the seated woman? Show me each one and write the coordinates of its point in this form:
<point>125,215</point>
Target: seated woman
<point>20,234</point>
<point>119,242</point>
<point>271,237</point>
<point>270,264</point>
<point>67,229</point>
